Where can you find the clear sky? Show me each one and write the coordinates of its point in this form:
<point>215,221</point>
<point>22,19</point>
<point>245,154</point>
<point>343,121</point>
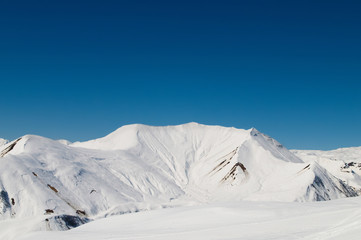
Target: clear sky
<point>78,70</point>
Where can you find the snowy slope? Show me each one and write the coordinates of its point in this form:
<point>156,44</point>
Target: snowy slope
<point>344,163</point>
<point>339,219</point>
<point>62,185</point>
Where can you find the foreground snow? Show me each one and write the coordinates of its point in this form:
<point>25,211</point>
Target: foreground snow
<point>336,219</point>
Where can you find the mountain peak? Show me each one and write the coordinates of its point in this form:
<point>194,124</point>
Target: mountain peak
<point>254,132</point>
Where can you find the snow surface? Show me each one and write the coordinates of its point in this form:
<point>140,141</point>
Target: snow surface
<point>58,185</point>
<point>337,219</point>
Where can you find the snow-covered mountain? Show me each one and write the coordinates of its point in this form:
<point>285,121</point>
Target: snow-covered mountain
<point>138,167</point>
<point>343,163</point>
<point>3,141</point>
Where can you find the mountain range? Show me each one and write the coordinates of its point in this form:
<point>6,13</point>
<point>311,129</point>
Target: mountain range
<point>58,185</point>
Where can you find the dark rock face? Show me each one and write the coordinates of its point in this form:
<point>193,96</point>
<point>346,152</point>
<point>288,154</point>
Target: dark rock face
<point>66,222</point>
<point>9,148</point>
<point>4,201</point>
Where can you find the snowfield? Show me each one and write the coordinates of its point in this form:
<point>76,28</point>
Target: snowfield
<point>336,219</point>
<point>179,172</point>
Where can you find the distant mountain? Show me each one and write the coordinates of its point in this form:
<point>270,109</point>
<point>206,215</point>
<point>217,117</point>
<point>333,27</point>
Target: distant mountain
<point>3,141</point>
<point>138,167</point>
<point>343,163</point>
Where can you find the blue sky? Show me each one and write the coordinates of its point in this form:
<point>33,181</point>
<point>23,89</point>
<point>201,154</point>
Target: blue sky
<point>80,69</point>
